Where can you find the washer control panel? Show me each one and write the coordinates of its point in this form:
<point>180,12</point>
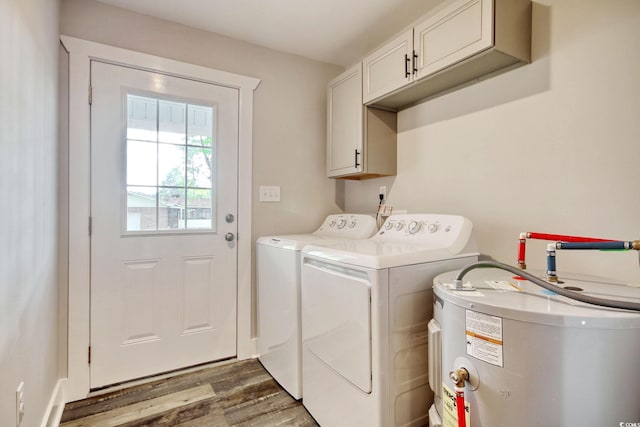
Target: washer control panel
<point>425,229</point>
<point>352,226</point>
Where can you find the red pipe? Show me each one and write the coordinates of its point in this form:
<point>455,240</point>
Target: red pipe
<point>462,418</point>
<point>521,253</point>
<point>545,236</point>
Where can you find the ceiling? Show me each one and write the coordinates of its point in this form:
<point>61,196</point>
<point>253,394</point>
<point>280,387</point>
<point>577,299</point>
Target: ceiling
<point>334,31</point>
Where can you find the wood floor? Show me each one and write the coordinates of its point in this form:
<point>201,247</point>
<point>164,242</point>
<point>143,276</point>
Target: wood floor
<point>236,394</point>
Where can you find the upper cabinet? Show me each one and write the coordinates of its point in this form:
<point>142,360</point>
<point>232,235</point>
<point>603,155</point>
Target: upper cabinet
<point>459,41</point>
<point>344,123</point>
<point>361,141</point>
<point>452,34</point>
<point>389,68</point>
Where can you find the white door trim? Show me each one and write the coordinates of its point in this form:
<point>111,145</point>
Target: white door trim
<point>81,52</point>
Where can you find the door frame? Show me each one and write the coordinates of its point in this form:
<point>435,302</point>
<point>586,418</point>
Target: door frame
<point>81,53</point>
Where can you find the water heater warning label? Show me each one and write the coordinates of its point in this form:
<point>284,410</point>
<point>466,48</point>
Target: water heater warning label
<point>484,337</point>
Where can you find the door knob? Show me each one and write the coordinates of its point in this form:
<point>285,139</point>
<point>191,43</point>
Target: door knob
<point>229,237</point>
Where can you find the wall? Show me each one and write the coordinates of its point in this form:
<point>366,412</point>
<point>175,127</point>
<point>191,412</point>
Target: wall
<point>28,218</point>
<point>552,146</point>
<point>289,105</point>
<point>63,208</point>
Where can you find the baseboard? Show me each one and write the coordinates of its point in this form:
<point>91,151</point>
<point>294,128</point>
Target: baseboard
<point>55,407</point>
<point>254,348</point>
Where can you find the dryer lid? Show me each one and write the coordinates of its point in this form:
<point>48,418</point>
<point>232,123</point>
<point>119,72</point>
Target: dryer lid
<point>293,242</point>
<point>378,255</point>
<point>404,240</point>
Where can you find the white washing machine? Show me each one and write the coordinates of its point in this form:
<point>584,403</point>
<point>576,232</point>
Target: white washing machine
<point>535,358</point>
<point>365,309</point>
<point>278,283</point>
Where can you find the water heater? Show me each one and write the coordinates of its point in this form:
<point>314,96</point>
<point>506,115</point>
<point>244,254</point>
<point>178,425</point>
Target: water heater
<point>534,358</point>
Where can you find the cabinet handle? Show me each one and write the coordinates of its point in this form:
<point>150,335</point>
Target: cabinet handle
<point>415,63</point>
<point>406,65</point>
<point>356,158</point>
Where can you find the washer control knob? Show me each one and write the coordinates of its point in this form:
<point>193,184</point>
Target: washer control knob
<point>352,223</point>
<point>388,225</point>
<point>433,227</point>
<point>399,226</point>
<point>414,227</point>
<point>341,223</point>
<point>332,223</point>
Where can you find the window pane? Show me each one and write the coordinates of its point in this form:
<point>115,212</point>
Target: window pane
<point>141,118</point>
<point>172,125</point>
<point>199,167</point>
<point>141,163</point>
<point>200,210</point>
<point>141,208</point>
<point>200,125</point>
<point>171,165</point>
<point>170,208</point>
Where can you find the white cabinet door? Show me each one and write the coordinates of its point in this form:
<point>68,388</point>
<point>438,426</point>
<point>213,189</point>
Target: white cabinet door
<point>388,68</point>
<point>345,123</point>
<point>455,32</point>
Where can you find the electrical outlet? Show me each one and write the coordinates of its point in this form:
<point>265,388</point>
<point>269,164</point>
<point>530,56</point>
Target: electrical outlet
<point>269,193</point>
<point>19,403</point>
<point>383,191</point>
<point>386,210</point>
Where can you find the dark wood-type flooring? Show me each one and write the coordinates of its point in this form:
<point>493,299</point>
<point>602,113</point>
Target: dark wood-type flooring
<point>235,394</point>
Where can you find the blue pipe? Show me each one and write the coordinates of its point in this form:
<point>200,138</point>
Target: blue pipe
<point>617,245</point>
<point>551,266</point>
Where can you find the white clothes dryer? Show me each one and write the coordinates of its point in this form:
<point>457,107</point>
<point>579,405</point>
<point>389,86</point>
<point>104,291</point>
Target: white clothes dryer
<point>278,283</point>
<point>365,309</point>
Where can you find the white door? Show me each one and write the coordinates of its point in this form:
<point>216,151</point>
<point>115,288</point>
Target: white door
<point>163,206</point>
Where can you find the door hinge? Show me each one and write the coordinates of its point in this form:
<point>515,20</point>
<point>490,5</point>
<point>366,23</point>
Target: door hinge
<point>90,225</point>
<point>90,94</point>
<point>89,355</point>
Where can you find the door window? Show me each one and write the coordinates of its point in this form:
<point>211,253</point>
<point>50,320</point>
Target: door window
<point>171,162</point>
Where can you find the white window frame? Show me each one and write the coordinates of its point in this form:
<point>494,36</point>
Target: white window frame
<point>81,53</point>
